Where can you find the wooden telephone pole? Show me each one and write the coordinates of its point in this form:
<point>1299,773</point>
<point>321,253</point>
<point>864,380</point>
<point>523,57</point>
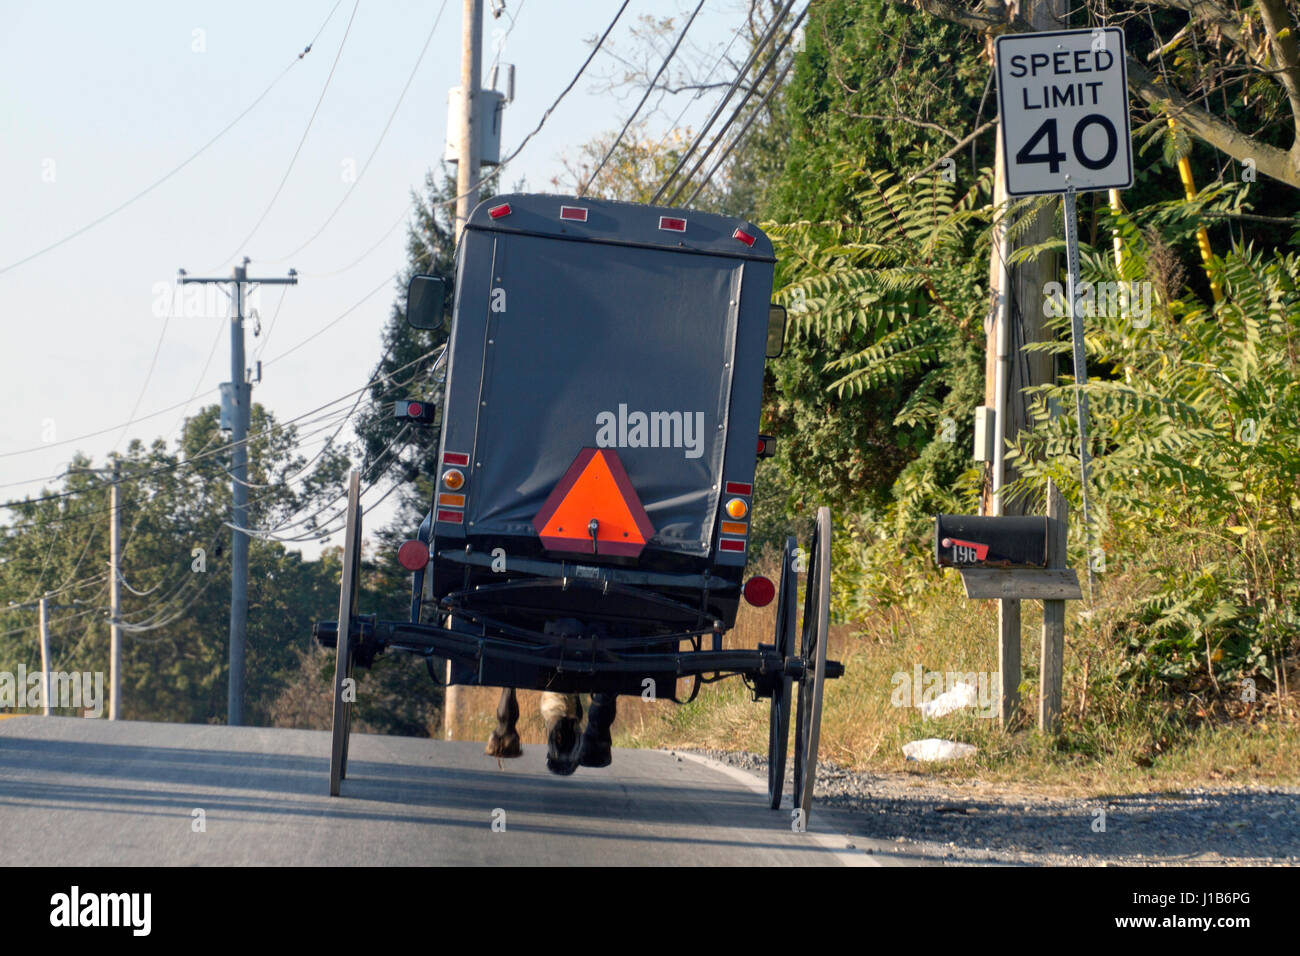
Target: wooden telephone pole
<point>241,401</point>
<point>1018,320</point>
<point>467,182</point>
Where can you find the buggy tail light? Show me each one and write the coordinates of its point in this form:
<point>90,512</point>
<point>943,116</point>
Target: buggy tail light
<point>453,478</point>
<point>413,555</point>
<point>759,591</point>
<point>744,237</point>
<point>419,413</point>
<point>499,212</point>
<point>737,508</point>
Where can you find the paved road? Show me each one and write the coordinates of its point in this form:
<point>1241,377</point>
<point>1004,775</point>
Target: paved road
<point>93,792</point>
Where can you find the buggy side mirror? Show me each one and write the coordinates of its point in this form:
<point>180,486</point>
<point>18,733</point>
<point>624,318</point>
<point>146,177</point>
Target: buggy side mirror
<point>775,330</point>
<point>425,298</point>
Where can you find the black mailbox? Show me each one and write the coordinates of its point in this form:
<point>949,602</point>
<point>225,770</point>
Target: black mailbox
<point>974,541</point>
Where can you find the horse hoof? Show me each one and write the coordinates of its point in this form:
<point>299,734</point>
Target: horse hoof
<point>504,745</point>
<point>595,753</point>
<point>563,747</point>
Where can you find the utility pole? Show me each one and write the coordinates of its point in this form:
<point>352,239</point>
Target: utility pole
<point>115,599</point>
<point>44,617</point>
<point>1008,368</point>
<point>43,608</point>
<point>467,177</point>
<point>467,150</point>
<point>1019,315</point>
<point>241,395</point>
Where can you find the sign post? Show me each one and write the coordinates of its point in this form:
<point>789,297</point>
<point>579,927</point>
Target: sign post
<point>1063,106</point>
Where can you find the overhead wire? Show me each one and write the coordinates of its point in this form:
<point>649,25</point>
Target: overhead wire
<point>572,83</point>
<point>649,89</point>
<point>740,107</point>
<point>676,123</point>
<point>154,622</point>
<point>177,405</point>
<point>301,140</point>
<point>753,115</point>
<point>176,169</point>
<point>725,99</point>
<point>375,149</point>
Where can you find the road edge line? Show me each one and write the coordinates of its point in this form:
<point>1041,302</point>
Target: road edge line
<point>828,838</point>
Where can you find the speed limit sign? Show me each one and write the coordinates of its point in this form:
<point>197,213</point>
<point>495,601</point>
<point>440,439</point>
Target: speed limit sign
<point>1063,100</point>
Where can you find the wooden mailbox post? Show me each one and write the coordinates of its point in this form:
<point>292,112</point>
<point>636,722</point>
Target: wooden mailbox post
<point>1014,559</point>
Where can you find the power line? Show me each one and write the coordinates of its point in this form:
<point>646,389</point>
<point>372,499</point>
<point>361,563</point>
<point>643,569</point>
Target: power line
<point>708,76</point>
<point>261,349</point>
<point>193,156</point>
<point>663,66</point>
<point>496,58</point>
<point>329,325</point>
<point>204,455</point>
<point>500,166</point>
<point>753,115</point>
<point>102,431</point>
<point>740,107</point>
<point>406,211</point>
<point>162,411</point>
<point>572,83</point>
<point>384,132</point>
<point>302,140</point>
<point>726,98</point>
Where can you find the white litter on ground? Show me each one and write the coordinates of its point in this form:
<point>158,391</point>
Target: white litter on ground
<point>932,748</point>
<point>961,695</point>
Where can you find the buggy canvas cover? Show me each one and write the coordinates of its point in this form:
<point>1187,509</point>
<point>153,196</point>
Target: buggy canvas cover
<point>563,342</point>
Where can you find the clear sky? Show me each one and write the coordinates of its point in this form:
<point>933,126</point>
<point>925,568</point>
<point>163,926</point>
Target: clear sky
<point>98,101</point>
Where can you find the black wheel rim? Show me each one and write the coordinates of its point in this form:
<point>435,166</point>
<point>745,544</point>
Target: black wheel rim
<point>812,649</point>
<point>342,710</point>
<point>778,736</point>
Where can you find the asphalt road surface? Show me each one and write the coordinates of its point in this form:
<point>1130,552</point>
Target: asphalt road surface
<point>85,792</point>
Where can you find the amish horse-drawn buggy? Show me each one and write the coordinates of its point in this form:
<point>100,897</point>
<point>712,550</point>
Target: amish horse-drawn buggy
<point>591,514</point>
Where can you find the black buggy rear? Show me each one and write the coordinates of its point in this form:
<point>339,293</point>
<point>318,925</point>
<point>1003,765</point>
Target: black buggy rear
<point>589,528</point>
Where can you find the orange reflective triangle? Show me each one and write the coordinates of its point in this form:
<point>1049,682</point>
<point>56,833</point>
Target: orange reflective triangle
<point>595,487</point>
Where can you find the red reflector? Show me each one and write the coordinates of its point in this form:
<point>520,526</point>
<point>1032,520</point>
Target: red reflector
<point>455,517</point>
<point>759,591</point>
<point>672,224</point>
<point>731,544</point>
<point>413,555</point>
<point>739,488</point>
<point>743,236</point>
<point>414,410</point>
<point>497,212</point>
<point>576,213</point>
<point>455,458</point>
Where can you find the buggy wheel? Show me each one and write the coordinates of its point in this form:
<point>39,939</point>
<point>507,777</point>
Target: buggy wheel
<point>778,731</point>
<point>342,722</point>
<point>816,621</point>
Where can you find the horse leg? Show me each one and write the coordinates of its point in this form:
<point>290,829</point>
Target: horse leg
<point>562,714</point>
<point>596,738</point>
<point>504,741</point>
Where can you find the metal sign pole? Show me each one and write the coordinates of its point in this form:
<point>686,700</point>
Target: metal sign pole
<point>1080,367</point>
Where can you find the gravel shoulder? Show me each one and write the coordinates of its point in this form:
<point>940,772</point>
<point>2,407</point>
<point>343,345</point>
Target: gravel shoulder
<point>974,823</point>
